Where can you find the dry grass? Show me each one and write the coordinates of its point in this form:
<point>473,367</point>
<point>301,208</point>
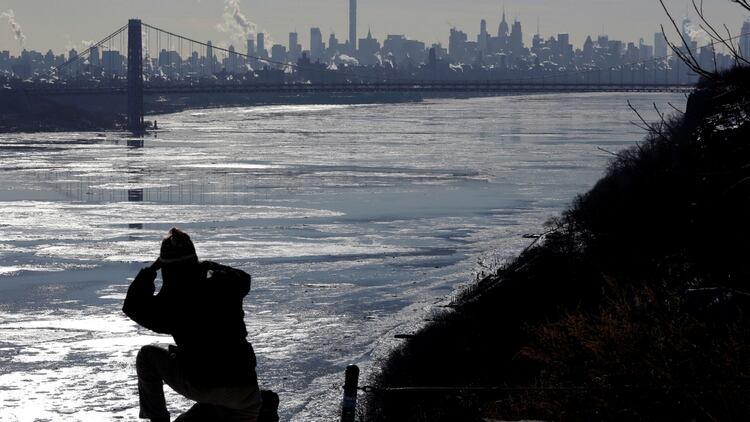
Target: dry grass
<point>639,356</point>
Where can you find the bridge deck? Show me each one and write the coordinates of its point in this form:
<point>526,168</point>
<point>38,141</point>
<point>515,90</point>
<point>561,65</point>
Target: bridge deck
<point>353,88</point>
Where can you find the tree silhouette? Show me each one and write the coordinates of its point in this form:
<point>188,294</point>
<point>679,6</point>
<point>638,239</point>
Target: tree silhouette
<point>685,53</point>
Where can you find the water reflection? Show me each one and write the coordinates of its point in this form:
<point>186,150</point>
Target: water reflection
<point>135,143</point>
<point>135,170</point>
<point>135,195</point>
<point>229,190</point>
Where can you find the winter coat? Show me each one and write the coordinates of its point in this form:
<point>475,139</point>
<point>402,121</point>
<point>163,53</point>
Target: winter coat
<point>204,315</point>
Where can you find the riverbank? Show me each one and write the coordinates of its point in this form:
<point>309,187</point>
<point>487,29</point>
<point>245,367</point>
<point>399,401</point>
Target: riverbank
<point>21,112</point>
<point>25,113</point>
<point>633,305</point>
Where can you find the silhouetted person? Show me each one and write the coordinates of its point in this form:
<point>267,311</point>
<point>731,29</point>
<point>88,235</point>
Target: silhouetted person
<point>200,305</point>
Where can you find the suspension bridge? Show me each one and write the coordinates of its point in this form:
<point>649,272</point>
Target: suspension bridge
<point>329,81</point>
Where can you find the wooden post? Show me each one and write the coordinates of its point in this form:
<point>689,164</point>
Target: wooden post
<point>349,404</point>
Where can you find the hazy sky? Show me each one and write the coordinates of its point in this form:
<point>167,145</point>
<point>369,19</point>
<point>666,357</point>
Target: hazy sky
<point>62,24</point>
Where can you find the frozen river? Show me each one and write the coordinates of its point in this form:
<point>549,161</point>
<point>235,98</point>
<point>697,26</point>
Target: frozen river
<point>355,222</point>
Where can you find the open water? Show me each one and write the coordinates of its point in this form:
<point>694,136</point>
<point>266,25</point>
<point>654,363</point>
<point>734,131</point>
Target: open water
<point>356,223</point>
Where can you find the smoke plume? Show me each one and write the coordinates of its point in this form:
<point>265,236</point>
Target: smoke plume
<point>697,34</point>
<point>236,23</point>
<point>14,26</point>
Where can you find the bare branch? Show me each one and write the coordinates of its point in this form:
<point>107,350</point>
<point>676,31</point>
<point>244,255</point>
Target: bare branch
<point>661,117</point>
<point>713,56</point>
<point>737,56</point>
<point>688,58</point>
<point>689,62</point>
<point>675,108</point>
<point>640,126</point>
<point>648,127</point>
<point>715,36</point>
<point>743,3</point>
<point>608,151</point>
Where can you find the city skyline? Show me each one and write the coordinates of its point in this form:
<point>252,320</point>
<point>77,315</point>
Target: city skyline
<point>217,20</point>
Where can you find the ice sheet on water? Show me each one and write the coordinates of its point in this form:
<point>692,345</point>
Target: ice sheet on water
<point>355,222</point>
<point>230,166</point>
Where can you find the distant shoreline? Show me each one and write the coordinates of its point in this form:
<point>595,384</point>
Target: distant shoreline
<point>21,114</point>
<point>50,116</point>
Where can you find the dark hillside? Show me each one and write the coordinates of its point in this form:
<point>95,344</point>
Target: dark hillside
<point>633,306</point>
<point>22,113</point>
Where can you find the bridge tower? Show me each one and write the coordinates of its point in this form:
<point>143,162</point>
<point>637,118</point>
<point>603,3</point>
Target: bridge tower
<point>135,76</point>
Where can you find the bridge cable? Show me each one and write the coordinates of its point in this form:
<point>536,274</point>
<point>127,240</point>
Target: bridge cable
<point>259,59</point>
<point>86,52</point>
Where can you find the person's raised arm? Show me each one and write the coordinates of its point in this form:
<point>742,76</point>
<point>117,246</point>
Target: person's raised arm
<point>141,304</point>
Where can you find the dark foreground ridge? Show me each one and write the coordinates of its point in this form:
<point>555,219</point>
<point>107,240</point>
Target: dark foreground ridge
<point>634,305</point>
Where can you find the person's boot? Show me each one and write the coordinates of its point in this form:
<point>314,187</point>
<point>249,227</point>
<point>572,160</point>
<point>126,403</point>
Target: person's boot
<point>200,412</point>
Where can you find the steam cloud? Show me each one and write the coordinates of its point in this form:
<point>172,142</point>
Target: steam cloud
<point>697,34</point>
<point>14,26</point>
<point>235,22</point>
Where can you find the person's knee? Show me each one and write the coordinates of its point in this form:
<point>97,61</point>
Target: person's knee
<point>146,356</point>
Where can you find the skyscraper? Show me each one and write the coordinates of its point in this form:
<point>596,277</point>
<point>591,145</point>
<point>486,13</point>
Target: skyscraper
<point>368,48</point>
<point>316,44</point>
<point>333,45</point>
<point>295,50</point>
<point>261,51</point>
<point>483,36</point>
<point>660,45</point>
<point>502,30</point>
<point>645,52</point>
<point>113,63</point>
<point>209,66</point>
<point>278,53</point>
<point>565,49</point>
<point>457,45</point>
<point>353,24</point>
<point>232,61</point>
<point>94,58</point>
<point>744,43</point>
<point>516,38</point>
<point>588,49</point>
<point>250,51</point>
<point>49,58</point>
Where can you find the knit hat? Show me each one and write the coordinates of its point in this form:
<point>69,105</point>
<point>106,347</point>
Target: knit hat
<point>177,247</point>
